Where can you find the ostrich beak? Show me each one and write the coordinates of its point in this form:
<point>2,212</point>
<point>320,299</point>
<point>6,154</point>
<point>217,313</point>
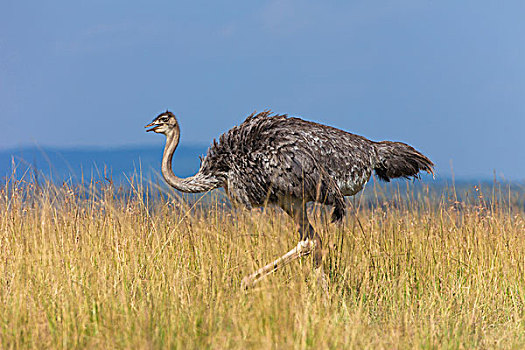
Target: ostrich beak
<point>151,124</point>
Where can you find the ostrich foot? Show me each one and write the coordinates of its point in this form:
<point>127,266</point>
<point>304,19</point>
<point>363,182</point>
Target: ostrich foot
<point>302,249</point>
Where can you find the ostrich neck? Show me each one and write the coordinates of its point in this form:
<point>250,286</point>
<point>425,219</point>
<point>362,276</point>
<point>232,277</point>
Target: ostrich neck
<point>192,184</point>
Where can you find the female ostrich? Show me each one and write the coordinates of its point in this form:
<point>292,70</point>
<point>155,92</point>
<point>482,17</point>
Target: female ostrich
<point>288,162</point>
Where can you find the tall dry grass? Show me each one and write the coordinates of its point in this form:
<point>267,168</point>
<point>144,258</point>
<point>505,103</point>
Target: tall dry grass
<point>91,266</point>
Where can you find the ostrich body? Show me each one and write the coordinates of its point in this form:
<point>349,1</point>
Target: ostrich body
<point>285,161</point>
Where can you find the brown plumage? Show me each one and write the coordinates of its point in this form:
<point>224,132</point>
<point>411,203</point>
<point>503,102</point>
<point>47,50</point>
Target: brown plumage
<point>276,159</point>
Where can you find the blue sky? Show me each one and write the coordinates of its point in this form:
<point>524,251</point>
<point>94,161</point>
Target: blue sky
<point>447,77</point>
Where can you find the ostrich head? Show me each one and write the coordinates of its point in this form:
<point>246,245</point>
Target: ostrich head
<point>165,123</point>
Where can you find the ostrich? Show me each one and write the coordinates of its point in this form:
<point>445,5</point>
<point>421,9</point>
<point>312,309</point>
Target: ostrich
<point>285,161</point>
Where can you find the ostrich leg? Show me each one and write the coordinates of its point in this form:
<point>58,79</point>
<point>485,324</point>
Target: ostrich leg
<point>309,242</point>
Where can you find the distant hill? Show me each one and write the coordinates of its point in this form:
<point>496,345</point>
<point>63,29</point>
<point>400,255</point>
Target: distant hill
<point>59,164</point>
<point>119,164</point>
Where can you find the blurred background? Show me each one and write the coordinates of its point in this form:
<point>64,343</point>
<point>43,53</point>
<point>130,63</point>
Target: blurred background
<point>80,79</point>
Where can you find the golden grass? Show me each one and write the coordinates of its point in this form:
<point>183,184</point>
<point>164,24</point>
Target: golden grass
<point>95,267</point>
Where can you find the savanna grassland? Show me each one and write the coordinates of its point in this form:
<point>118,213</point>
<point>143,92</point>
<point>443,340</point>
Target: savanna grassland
<point>94,266</point>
